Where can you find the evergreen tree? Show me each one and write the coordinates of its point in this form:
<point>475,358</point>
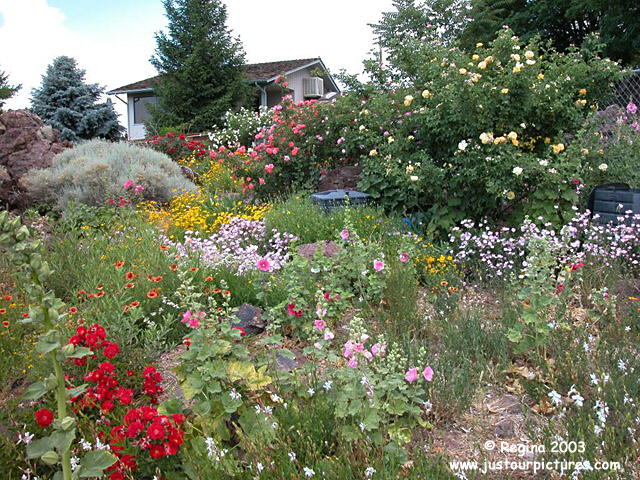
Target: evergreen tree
<point>70,105</point>
<point>6,90</point>
<point>201,66</point>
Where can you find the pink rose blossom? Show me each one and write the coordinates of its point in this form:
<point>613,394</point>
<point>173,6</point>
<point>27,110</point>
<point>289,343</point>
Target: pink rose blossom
<point>411,375</point>
<point>378,265</point>
<point>404,257</point>
<point>269,168</point>
<point>344,234</point>
<point>427,373</point>
<point>128,184</point>
<point>261,181</point>
<point>138,189</point>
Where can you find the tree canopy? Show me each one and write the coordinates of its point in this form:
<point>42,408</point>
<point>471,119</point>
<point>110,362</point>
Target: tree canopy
<point>67,103</point>
<point>201,66</point>
<point>6,89</point>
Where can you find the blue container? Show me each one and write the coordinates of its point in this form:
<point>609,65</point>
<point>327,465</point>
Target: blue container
<point>332,199</point>
<point>612,201</point>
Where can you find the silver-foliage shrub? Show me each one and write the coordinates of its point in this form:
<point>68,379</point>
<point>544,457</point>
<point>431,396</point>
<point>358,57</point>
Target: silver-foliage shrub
<point>94,173</point>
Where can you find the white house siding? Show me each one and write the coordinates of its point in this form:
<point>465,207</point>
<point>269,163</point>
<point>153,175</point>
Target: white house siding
<point>136,130</point>
<point>296,83</point>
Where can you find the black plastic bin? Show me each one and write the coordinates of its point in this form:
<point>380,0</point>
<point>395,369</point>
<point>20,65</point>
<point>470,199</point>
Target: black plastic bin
<point>332,199</point>
<point>611,201</point>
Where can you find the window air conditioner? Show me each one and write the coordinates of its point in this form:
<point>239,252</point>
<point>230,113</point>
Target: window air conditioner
<point>313,87</point>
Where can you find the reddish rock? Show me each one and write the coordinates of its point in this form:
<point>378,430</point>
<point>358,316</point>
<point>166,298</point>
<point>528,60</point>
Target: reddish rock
<point>330,249</point>
<point>25,143</point>
<point>342,178</point>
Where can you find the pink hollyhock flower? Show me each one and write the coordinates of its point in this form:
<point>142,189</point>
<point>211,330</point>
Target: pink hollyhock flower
<point>269,167</point>
<point>378,265</point>
<point>128,184</point>
<point>320,325</point>
<point>353,362</point>
<point>376,349</point>
<point>328,335</point>
<point>261,181</point>
<point>427,373</point>
<point>404,257</point>
<point>344,234</point>
<point>632,108</point>
<point>411,375</point>
<point>367,354</point>
<point>291,309</point>
<point>138,189</point>
<point>358,347</point>
<point>264,265</point>
<point>348,349</point>
<point>294,151</point>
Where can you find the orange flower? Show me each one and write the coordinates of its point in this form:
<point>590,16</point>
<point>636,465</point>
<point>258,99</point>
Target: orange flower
<point>153,293</point>
<point>194,269</point>
<point>226,293</point>
<point>216,290</point>
<point>3,311</point>
<point>8,298</point>
<point>126,308</point>
<point>135,304</point>
<point>73,310</point>
<point>634,299</point>
<point>130,276</point>
<point>208,279</point>
<point>164,247</point>
<point>5,323</point>
<point>130,285</point>
<point>119,264</point>
<point>173,267</point>
<point>100,294</point>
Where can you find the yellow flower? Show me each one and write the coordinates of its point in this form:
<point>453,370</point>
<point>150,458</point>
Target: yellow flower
<point>517,68</point>
<point>486,137</point>
<point>504,91</point>
<point>540,76</point>
<point>408,100</point>
<point>479,45</point>
<point>547,140</point>
<point>582,91</point>
<point>581,103</point>
<point>482,65</point>
<point>558,148</point>
<point>373,153</point>
<point>512,136</point>
<point>475,57</point>
<point>462,71</point>
<point>426,94</point>
<point>511,195</point>
<point>529,54</point>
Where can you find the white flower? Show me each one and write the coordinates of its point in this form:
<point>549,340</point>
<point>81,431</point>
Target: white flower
<point>463,145</point>
<point>528,54</point>
<point>311,391</point>
<point>275,398</point>
<point>373,153</point>
<point>292,456</point>
<point>362,426</point>
<point>368,473</point>
<point>327,385</point>
<point>362,128</point>
<point>555,397</point>
<point>308,472</point>
<point>259,467</point>
<point>544,163</point>
<point>603,167</point>
<point>414,178</point>
<point>26,438</point>
<point>234,395</point>
<point>578,400</point>
<point>517,170</point>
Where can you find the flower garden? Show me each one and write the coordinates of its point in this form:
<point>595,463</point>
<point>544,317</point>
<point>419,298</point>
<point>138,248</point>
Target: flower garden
<point>224,326</point>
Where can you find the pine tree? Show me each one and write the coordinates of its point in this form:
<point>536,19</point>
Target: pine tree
<point>201,66</point>
<point>72,106</point>
<point>6,90</point>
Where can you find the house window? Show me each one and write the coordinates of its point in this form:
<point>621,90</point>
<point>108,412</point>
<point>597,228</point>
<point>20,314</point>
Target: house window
<point>140,112</point>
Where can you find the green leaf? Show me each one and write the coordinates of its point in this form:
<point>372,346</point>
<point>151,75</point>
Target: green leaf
<point>79,390</point>
<point>35,391</point>
<point>229,403</point>
<point>95,462</point>
<point>39,447</point>
<point>80,352</point>
<point>48,342</point>
<point>62,440</point>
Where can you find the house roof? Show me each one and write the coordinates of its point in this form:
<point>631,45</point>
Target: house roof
<point>257,72</point>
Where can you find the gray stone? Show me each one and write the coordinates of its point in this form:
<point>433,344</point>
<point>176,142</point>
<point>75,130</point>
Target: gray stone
<point>251,320</point>
<point>329,249</point>
<point>505,429</point>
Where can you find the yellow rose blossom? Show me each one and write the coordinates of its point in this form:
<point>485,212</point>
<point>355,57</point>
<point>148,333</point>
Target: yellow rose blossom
<point>482,65</point>
<point>426,94</point>
<point>581,103</point>
<point>512,136</point>
<point>373,153</point>
<point>540,76</point>
<point>582,91</point>
<point>475,57</point>
<point>499,140</point>
<point>558,148</point>
<point>547,140</point>
<point>462,71</point>
<point>511,195</point>
<point>408,100</point>
<point>486,137</point>
<point>479,45</point>
<point>504,91</point>
<point>529,54</point>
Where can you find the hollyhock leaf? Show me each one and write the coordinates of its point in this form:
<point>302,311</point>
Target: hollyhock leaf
<point>80,352</point>
<point>95,462</point>
<point>35,391</point>
<point>39,447</point>
<point>62,440</point>
<point>79,390</point>
<point>48,342</point>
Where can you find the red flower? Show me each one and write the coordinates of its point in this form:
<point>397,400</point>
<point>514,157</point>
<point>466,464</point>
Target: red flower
<point>292,311</point>
<point>208,279</point>
<point>134,304</point>
<point>173,267</point>
<point>5,323</point>
<point>134,429</point>
<point>156,451</point>
<point>242,332</point>
<point>130,285</point>
<point>119,264</point>
<point>3,311</point>
<point>111,350</point>
<point>73,310</point>
<point>130,373</point>
<point>156,431</point>
<point>44,417</point>
<point>8,298</point>
<point>153,293</point>
<point>129,276</point>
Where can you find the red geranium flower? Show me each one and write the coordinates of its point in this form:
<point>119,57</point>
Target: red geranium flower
<point>156,451</point>
<point>111,350</point>
<point>156,431</point>
<point>44,417</point>
<point>242,332</point>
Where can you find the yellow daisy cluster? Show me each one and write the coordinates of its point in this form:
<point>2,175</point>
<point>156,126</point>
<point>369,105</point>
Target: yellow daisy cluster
<point>197,212</point>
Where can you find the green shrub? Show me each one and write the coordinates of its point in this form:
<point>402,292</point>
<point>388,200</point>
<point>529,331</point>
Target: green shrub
<point>94,173</point>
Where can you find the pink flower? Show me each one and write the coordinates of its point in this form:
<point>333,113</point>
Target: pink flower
<point>404,257</point>
<point>328,335</point>
<point>427,373</point>
<point>358,347</point>
<point>128,184</point>
<point>291,309</point>
<point>632,108</point>
<point>344,234</point>
<point>191,320</point>
<point>269,168</point>
<point>353,363</point>
<point>320,325</point>
<point>264,265</point>
<point>378,265</point>
<point>138,189</point>
<point>261,181</point>
<point>379,350</point>
<point>367,354</point>
<point>287,158</point>
<point>411,375</point>
<point>294,151</point>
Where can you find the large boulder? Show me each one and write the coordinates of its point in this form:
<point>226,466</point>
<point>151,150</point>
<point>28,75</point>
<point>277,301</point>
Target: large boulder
<point>25,143</point>
<point>341,178</point>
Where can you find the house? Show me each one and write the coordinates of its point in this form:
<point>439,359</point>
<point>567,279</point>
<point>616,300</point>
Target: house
<point>307,79</point>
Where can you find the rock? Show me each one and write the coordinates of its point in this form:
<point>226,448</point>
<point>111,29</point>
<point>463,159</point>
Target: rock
<point>251,320</point>
<point>505,429</point>
<point>288,364</point>
<point>330,249</point>
<point>25,143</point>
<point>505,404</point>
<point>188,173</point>
<point>341,178</point>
